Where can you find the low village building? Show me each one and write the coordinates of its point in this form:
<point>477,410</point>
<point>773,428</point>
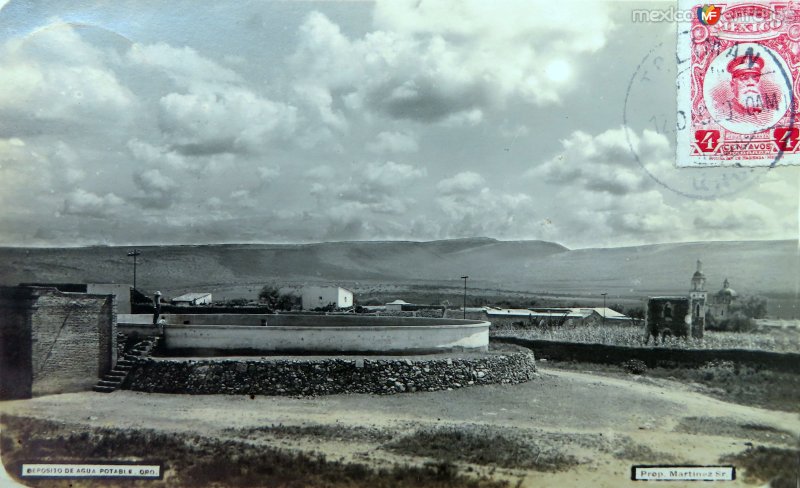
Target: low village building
<point>315,296</point>
<point>404,306</point>
<point>54,341</point>
<point>555,316</point>
<point>396,306</point>
<point>192,299</point>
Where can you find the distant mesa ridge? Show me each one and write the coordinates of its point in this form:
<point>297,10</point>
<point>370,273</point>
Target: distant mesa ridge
<point>755,266</point>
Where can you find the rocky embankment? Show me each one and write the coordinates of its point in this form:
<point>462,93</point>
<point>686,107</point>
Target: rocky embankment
<point>326,376</point>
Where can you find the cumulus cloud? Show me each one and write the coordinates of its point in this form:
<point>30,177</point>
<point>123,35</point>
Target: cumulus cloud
<point>321,172</point>
<point>734,216</point>
<point>267,174</point>
<point>235,120</point>
<point>183,65</point>
<point>213,109</point>
<point>319,102</point>
<point>605,163</point>
<point>159,191</point>
<point>157,155</point>
<point>393,142</point>
<point>87,204</point>
<point>449,61</point>
<point>54,81</point>
<point>464,182</point>
<point>489,212</point>
<point>370,188</point>
<point>606,195</point>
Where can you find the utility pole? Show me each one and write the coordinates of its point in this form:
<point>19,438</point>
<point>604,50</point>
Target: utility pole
<point>465,295</point>
<point>604,308</point>
<point>134,253</point>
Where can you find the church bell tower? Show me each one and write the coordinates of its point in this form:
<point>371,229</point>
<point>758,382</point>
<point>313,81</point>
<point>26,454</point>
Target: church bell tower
<point>697,302</point>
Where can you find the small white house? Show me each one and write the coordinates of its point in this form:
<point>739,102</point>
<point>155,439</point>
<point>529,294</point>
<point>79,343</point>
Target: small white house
<point>322,296</point>
<point>191,299</point>
<point>396,306</point>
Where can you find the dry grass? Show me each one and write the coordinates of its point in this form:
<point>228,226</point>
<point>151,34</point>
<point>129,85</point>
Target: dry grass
<point>317,431</point>
<point>192,460</point>
<point>728,381</point>
<point>616,335</point>
<point>778,466</point>
<point>732,428</point>
<point>520,448</point>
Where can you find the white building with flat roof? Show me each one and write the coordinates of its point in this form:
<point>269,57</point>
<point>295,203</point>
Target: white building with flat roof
<point>322,296</point>
<point>191,299</point>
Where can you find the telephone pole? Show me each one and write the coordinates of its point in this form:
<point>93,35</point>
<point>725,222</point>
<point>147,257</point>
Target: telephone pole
<point>134,253</point>
<point>604,307</point>
<point>465,295</point>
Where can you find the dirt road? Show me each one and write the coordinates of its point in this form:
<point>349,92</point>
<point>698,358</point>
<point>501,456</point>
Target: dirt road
<point>659,418</point>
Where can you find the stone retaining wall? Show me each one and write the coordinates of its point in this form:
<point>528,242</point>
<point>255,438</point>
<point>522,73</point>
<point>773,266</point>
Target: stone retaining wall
<point>325,376</point>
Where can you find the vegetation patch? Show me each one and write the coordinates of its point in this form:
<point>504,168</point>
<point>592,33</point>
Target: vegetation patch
<point>742,384</point>
<point>520,448</point>
<point>628,336</point>
<point>731,428</point>
<point>483,445</point>
<point>318,431</point>
<point>778,466</point>
<point>191,460</point>
<point>634,366</point>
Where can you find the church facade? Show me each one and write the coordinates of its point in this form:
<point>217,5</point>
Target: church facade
<point>685,315</point>
<point>719,303</point>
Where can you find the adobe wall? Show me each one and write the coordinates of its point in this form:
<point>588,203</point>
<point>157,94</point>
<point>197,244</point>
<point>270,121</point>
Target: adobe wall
<point>64,342</point>
<point>16,373</point>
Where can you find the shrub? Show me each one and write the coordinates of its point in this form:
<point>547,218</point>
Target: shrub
<point>634,366</point>
<point>737,323</point>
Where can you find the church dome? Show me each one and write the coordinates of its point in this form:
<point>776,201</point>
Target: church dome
<point>727,290</point>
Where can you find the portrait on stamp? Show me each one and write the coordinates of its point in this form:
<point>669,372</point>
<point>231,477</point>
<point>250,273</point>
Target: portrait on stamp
<point>744,90</point>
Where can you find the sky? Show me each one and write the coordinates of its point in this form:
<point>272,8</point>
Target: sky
<point>185,122</point>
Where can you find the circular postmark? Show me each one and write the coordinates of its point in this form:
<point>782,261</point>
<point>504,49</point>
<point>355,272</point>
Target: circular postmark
<point>650,106</point>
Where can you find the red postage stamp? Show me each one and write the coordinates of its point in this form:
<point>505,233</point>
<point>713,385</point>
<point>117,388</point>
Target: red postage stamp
<point>738,89</point>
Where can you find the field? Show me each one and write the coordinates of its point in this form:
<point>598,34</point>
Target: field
<point>773,340</point>
<point>564,428</point>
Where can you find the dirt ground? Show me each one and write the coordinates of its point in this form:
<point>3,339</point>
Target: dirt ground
<point>660,422</point>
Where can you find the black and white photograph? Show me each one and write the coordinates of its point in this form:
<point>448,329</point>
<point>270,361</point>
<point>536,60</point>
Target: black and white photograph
<point>393,243</point>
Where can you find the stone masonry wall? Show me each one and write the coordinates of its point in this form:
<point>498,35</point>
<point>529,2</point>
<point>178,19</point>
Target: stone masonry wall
<point>326,376</point>
<point>73,341</point>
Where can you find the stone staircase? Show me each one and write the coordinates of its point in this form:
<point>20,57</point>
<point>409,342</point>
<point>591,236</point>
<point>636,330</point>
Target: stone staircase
<point>114,378</point>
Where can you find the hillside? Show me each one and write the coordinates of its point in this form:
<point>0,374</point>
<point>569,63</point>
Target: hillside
<point>544,267</point>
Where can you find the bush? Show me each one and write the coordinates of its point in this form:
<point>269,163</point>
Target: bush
<point>276,300</point>
<point>634,366</point>
<point>737,323</point>
<point>754,307</point>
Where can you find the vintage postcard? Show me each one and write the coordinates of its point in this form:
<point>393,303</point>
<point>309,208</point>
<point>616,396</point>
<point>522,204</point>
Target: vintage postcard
<point>399,244</point>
